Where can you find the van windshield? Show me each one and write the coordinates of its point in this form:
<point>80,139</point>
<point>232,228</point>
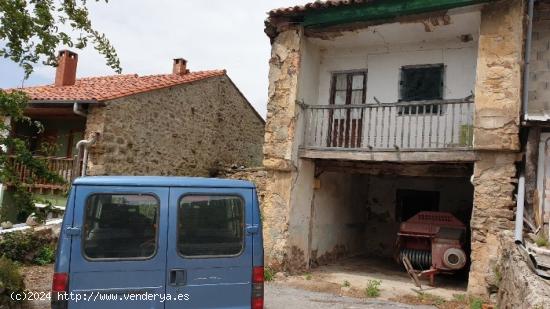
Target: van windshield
<point>120,226</point>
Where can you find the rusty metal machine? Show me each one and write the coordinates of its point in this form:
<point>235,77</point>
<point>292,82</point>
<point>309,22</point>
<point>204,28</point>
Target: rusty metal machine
<point>431,242</point>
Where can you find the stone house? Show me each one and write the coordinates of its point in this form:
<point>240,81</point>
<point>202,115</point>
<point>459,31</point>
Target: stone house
<point>380,109</point>
<point>183,123</point>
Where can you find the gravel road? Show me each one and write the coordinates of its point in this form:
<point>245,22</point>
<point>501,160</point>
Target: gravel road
<point>277,296</point>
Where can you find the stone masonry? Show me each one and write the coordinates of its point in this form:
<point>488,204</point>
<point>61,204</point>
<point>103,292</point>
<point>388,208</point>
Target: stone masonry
<point>278,144</point>
<point>518,286</point>
<point>188,130</point>
<point>496,138</point>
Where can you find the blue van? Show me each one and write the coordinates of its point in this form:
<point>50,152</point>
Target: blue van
<point>159,242</point>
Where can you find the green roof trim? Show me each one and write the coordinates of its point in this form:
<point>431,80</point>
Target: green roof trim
<point>379,10</point>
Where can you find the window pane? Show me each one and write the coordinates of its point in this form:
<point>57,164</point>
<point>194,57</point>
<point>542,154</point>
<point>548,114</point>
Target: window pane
<point>210,225</point>
<point>357,97</point>
<point>340,97</point>
<point>341,81</point>
<point>120,226</point>
<point>358,81</point>
<point>422,83</point>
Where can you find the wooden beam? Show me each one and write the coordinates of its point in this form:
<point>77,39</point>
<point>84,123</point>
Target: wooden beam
<point>50,112</point>
<point>391,156</point>
<point>440,170</point>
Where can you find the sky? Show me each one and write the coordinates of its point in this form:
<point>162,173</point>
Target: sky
<point>148,34</point>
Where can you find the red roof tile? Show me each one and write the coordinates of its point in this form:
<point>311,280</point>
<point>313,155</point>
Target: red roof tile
<point>111,87</point>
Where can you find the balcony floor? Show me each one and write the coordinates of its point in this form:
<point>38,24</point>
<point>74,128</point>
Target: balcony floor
<point>443,155</point>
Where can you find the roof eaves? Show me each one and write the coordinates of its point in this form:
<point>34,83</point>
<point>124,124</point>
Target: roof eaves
<point>42,101</point>
<point>338,12</point>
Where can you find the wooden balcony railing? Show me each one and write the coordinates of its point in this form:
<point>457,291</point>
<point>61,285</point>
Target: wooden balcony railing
<point>60,165</point>
<point>403,126</point>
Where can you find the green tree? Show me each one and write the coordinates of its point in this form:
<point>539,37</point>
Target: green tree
<point>31,32</point>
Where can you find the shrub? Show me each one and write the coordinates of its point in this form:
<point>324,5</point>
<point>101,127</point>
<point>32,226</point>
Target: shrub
<point>46,255</point>
<point>373,288</point>
<point>26,247</point>
<point>11,281</point>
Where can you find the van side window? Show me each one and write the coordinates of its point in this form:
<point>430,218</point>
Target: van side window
<point>120,226</point>
<point>210,225</point>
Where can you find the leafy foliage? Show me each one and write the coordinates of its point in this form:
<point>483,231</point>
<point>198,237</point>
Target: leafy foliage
<point>373,288</point>
<point>476,303</point>
<point>46,255</point>
<point>28,247</point>
<point>16,151</point>
<point>31,32</point>
<point>268,274</point>
<point>11,281</point>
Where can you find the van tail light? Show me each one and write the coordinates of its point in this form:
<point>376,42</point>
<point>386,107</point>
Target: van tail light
<point>60,287</point>
<point>258,287</point>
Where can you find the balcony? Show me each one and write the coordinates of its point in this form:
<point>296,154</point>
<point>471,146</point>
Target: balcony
<point>62,166</point>
<point>428,131</point>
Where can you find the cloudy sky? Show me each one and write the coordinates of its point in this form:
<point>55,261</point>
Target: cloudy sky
<point>148,34</point>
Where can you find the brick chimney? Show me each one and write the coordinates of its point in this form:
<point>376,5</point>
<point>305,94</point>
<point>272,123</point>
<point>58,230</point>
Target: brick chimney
<point>65,74</point>
<point>180,66</point>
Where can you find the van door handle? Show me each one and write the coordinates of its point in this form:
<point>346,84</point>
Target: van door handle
<point>252,229</point>
<point>178,277</point>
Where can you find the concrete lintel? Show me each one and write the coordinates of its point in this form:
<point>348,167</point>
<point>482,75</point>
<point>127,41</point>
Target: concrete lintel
<point>387,156</point>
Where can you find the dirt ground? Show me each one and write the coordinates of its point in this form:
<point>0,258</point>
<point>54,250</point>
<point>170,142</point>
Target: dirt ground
<point>278,296</point>
<point>350,277</point>
<point>38,279</point>
<point>395,288</point>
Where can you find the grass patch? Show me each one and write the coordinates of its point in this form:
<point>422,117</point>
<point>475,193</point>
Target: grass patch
<point>373,288</point>
<point>460,298</point>
<point>476,303</point>
<point>431,299</point>
<point>268,274</point>
<point>346,284</point>
<point>541,241</point>
<point>308,276</point>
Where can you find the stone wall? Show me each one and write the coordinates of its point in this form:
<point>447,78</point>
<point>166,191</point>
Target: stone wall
<point>498,84</point>
<point>256,175</point>
<point>191,129</point>
<point>496,134</point>
<point>518,287</point>
<point>278,145</point>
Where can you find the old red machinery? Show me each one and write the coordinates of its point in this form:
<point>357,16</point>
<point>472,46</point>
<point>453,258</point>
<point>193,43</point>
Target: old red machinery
<point>431,242</point>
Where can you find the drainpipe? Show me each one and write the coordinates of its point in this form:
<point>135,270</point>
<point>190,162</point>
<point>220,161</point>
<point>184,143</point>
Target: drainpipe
<point>519,209</point>
<point>527,57</point>
<point>83,144</point>
<point>78,110</point>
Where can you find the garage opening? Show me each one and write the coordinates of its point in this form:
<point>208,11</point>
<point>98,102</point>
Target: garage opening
<point>359,210</point>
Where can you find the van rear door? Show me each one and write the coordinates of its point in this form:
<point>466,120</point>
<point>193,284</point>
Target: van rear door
<point>118,251</point>
<point>209,260</point>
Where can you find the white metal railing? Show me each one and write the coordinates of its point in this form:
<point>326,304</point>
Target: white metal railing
<point>402,126</point>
